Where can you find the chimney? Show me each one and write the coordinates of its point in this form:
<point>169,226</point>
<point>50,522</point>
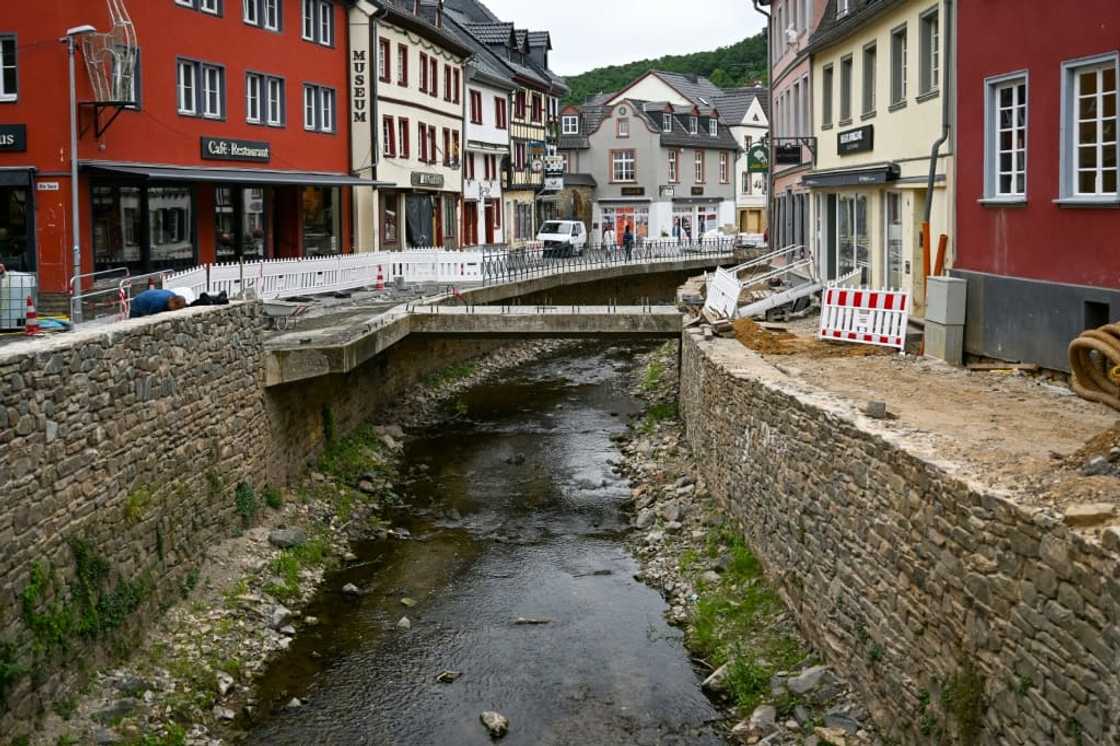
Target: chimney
<point>439,14</point>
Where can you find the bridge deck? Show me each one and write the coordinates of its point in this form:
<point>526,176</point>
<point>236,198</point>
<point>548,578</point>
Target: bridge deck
<point>547,321</point>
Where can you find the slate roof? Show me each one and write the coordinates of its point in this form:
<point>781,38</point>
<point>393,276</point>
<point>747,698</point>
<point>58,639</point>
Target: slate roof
<point>696,88</point>
<point>832,29</point>
<point>586,180</point>
<point>734,104</point>
<point>681,136</point>
<point>540,39</point>
<point>400,12</point>
<point>590,117</point>
<point>491,33</point>
<point>493,54</point>
<point>488,66</point>
<point>473,11</point>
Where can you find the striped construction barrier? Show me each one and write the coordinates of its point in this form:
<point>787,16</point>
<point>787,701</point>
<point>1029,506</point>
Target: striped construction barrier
<point>872,317</point>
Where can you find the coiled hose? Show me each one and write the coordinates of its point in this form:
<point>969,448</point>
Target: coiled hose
<point>1094,359</point>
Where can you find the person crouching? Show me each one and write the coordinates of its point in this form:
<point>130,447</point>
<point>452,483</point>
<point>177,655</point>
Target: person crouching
<point>156,300</point>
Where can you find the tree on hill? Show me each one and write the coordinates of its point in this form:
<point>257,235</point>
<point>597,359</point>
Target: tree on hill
<point>740,64</point>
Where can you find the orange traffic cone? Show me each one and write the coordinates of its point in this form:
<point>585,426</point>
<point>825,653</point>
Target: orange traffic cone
<point>31,324</point>
<point>380,279</point>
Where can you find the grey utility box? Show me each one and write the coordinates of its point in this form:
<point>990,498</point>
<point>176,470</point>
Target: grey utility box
<point>945,298</point>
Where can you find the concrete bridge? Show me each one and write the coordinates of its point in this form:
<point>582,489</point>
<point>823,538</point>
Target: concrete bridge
<point>598,301</point>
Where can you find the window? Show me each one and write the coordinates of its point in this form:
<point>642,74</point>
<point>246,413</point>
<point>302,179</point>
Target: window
<point>869,61</point>
<point>724,170</point>
<point>454,147</point>
<point>458,87</point>
<point>569,124</point>
<point>143,228</point>
<point>446,82</point>
<point>402,138</point>
<point>275,110</point>
<point>623,166</point>
<point>402,64</point>
<point>265,14</point>
<point>317,21</point>
<point>468,167</point>
<point>318,108</point>
<point>1005,137</point>
<point>476,107</point>
<point>693,125</point>
<point>251,12</point>
<point>213,7</point>
<point>422,131</point>
<point>519,156</point>
<point>253,85</point>
<point>272,14</point>
<point>930,42</point>
<point>746,186</point>
<point>446,147</point>
<point>666,122</point>
<point>846,89</point>
<point>674,167</point>
<point>795,115</point>
<point>842,7</point>
<point>538,107</point>
<point>519,104</point>
<point>698,166</point>
<point>826,96</point>
<point>898,67</point>
<point>713,127</point>
<point>383,47</point>
<point>432,149</point>
<point>622,128</point>
<point>9,82</point>
<point>433,77</point>
<point>201,89</point>
<point>423,72</point>
<point>1089,116</point>
<point>388,138</point>
<point>500,112</point>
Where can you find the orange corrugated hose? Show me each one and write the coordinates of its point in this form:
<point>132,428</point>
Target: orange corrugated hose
<point>1094,360</point>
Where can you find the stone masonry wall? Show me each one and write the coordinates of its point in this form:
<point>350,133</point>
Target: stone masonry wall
<point>130,439</point>
<point>956,611</point>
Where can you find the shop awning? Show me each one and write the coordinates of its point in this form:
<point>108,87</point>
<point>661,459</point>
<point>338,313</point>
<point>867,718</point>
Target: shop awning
<point>880,174</point>
<point>16,177</point>
<point>256,176</point>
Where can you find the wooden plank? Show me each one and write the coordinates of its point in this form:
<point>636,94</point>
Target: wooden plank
<point>1026,367</point>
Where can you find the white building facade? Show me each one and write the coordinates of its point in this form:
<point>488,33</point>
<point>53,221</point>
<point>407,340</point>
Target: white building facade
<point>487,147</point>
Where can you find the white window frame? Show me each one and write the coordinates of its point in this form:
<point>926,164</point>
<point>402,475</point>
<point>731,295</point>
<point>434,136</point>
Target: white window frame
<point>870,78</point>
<point>251,12</point>
<point>275,107</point>
<point>847,72</point>
<point>272,14</point>
<point>187,90</point>
<point>674,166</point>
<point>327,109</point>
<point>624,162</point>
<point>1070,192</point>
<point>899,66</point>
<point>213,74</point>
<point>929,44</point>
<point>724,168</point>
<point>310,108</point>
<point>13,64</point>
<point>699,168</point>
<point>993,132</point>
<point>569,124</point>
<point>213,7</point>
<point>828,76</point>
<point>326,23</point>
<point>307,19</point>
<point>254,88</point>
<point>694,125</point>
<point>320,108</point>
<point>713,127</point>
<point>666,122</point>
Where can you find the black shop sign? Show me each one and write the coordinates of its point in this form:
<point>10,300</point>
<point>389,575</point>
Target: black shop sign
<point>13,138</point>
<point>225,149</point>
<point>859,140</point>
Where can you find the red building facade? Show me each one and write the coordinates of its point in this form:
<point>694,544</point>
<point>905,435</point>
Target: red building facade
<point>1037,218</point>
<point>236,145</point>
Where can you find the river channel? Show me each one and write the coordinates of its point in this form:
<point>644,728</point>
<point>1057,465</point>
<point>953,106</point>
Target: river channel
<point>515,513</point>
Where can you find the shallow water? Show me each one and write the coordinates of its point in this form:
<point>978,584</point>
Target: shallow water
<point>494,541</point>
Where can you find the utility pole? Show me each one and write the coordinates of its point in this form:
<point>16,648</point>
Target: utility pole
<point>769,116</point>
<point>71,41</point>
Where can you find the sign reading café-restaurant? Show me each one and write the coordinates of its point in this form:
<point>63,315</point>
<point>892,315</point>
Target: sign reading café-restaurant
<point>224,149</point>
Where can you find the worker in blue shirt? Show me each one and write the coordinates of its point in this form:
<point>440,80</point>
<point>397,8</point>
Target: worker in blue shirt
<point>151,302</point>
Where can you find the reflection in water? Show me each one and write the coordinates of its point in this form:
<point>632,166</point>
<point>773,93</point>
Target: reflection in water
<point>496,539</point>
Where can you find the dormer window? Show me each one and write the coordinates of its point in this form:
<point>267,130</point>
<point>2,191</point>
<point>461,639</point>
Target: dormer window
<point>666,122</point>
<point>842,7</point>
<point>694,125</point>
<point>713,127</point>
<point>569,124</point>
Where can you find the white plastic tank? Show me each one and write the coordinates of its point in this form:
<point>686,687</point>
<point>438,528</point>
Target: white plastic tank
<point>15,287</point>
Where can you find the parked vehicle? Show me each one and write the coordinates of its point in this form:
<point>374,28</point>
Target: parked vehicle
<point>563,238</point>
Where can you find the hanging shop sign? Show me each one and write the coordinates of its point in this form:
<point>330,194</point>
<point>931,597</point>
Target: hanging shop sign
<point>787,154</point>
<point>225,149</point>
<point>13,138</point>
<point>553,183</point>
<point>758,159</point>
<point>554,165</point>
<point>859,140</point>
<point>423,179</point>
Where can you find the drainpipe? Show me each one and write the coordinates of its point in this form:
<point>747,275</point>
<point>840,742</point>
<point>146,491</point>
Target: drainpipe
<point>375,117</point>
<point>946,94</point>
<point>769,115</point>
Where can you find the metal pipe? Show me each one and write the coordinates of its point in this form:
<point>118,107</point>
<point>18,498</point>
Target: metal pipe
<point>769,114</point>
<point>946,94</point>
<point>76,235</point>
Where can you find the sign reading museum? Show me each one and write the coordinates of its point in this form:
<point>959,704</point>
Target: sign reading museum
<point>224,149</point>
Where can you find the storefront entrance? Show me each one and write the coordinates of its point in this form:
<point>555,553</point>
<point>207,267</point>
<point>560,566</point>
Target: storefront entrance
<point>620,217</point>
<point>241,223</point>
<point>17,229</point>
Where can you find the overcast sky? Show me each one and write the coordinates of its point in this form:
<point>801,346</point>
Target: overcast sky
<point>592,33</point>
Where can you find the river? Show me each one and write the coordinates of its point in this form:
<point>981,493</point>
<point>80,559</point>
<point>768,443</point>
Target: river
<point>515,513</point>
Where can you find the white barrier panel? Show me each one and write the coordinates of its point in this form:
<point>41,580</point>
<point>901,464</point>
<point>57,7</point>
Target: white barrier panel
<point>723,293</point>
<point>874,317</point>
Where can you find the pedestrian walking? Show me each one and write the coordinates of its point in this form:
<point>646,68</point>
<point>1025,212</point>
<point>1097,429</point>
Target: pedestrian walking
<point>628,241</point>
<point>608,236</point>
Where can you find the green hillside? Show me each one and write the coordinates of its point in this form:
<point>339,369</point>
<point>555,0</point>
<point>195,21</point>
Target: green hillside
<point>736,65</point>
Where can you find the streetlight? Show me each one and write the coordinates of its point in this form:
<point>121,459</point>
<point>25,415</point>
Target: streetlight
<point>71,41</point>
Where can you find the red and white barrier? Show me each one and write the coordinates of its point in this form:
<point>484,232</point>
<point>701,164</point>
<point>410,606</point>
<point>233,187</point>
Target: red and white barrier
<point>872,317</point>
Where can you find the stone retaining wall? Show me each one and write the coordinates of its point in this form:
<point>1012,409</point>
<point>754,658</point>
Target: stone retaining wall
<point>956,611</point>
<point>131,440</point>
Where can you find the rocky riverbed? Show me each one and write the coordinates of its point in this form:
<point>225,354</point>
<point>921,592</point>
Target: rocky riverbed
<point>770,683</point>
<point>192,679</point>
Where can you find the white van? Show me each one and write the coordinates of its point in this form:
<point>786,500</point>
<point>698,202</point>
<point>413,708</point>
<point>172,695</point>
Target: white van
<point>563,238</point>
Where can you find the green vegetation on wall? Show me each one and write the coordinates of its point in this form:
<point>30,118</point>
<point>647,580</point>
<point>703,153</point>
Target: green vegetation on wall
<point>737,65</point>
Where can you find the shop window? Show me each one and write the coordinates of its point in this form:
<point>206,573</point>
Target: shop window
<point>120,214</point>
<point>240,224</point>
<point>9,80</point>
<point>320,221</point>
<point>390,221</point>
<point>450,218</point>
<point>16,230</point>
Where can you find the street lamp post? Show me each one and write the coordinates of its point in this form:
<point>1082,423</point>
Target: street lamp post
<point>71,41</point>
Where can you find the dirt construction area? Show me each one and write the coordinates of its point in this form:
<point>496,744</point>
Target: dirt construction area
<point>1012,430</point>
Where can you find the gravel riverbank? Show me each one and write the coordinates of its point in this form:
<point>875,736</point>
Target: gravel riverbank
<point>772,686</point>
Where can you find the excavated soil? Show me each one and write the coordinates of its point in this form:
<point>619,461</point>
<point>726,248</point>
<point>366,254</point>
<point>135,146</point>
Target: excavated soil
<point>782,342</point>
